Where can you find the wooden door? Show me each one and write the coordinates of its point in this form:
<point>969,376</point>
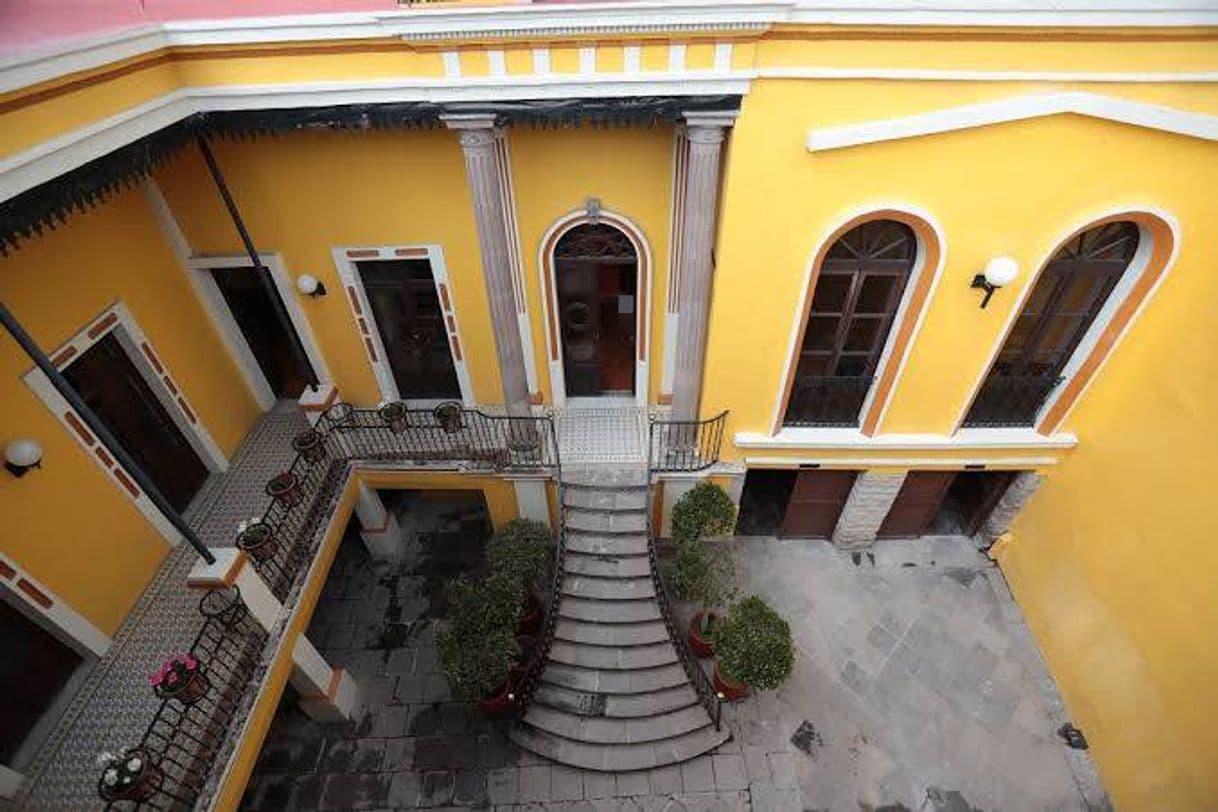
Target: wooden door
<point>917,504</point>
<point>257,316</point>
<point>34,669</point>
<point>114,389</point>
<point>406,308</point>
<point>816,503</point>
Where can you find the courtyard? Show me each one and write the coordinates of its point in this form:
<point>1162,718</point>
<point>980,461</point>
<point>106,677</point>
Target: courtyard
<point>917,686</point>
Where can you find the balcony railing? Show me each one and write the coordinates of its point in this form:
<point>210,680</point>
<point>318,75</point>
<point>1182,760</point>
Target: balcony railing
<point>182,743</point>
<point>1010,400</point>
<point>827,401</point>
<point>684,445</point>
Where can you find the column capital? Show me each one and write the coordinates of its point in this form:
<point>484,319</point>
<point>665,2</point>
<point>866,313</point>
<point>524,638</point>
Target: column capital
<point>707,127</point>
<point>475,129</point>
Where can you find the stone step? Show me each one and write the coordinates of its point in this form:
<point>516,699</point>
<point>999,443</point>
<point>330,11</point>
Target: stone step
<point>619,757</point>
<point>607,566</point>
<point>599,544</point>
<point>614,706</point>
<point>608,477</point>
<point>634,522</point>
<point>612,658</point>
<point>606,500</point>
<point>611,634</point>
<point>608,589</point>
<point>604,681</point>
<point>608,611</point>
<point>599,730</point>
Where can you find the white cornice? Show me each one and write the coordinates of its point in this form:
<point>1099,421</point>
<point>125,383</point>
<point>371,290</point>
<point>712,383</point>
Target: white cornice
<point>1008,13</point>
<point>1017,108</point>
<point>824,439</point>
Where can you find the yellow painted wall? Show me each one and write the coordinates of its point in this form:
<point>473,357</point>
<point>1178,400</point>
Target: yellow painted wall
<point>1113,562</point>
<point>68,523</point>
<point>629,170</point>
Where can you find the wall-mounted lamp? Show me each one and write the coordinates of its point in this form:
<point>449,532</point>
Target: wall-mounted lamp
<point>592,207</point>
<point>999,272</point>
<point>310,285</point>
<point>22,455</point>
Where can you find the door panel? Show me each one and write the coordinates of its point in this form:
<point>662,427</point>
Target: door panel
<point>34,669</point>
<point>763,503</point>
<point>917,504</point>
<point>406,308</point>
<point>114,389</point>
<point>817,499</point>
<point>257,317</point>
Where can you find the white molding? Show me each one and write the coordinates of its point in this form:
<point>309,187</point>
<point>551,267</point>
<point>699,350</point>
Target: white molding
<point>676,219</point>
<point>361,310</point>
<point>1017,108</point>
<point>676,57</point>
<point>285,285</point>
<point>632,60</point>
<point>66,620</point>
<point>496,62</point>
<point>541,61</point>
<point>507,191</point>
<point>11,783</point>
<point>963,440</point>
<point>955,75</point>
<point>723,56</point>
<point>587,60</point>
<point>547,274</point>
<point>208,293</point>
<point>795,336</point>
<point>988,13</point>
<point>859,463</point>
<point>452,64</point>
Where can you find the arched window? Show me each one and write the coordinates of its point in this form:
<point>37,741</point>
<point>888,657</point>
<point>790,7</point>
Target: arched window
<point>1067,297</point>
<point>858,290</point>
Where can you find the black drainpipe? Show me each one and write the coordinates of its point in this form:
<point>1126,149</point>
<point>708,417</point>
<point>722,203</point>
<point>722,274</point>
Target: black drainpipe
<point>264,274</point>
<point>103,434</point>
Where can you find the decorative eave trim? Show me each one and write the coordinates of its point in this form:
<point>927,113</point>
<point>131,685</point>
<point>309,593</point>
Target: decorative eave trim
<point>1017,108</point>
<point>1007,14</point>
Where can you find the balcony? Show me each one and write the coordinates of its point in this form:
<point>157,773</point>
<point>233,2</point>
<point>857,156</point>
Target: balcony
<point>827,401</point>
<point>1010,401</point>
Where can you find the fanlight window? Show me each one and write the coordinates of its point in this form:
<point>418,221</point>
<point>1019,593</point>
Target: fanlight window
<point>594,241</point>
<point>858,290</point>
<point>1069,294</point>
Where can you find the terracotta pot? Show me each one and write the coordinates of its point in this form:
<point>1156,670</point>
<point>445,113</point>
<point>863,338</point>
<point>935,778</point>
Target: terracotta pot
<point>500,702</point>
<point>285,489</point>
<point>395,417</point>
<point>259,550</point>
<point>309,444</point>
<point>188,692</point>
<point>148,782</point>
<point>701,645</point>
<point>531,617</point>
<point>727,686</point>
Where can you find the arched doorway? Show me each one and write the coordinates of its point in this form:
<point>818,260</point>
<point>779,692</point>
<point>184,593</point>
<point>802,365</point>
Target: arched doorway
<point>596,276</point>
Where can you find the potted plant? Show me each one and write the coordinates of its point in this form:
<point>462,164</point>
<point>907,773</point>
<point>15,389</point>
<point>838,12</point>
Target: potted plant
<point>394,413</point>
<point>448,415</point>
<point>284,488</point>
<point>704,575</point>
<point>128,776</point>
<point>257,538</point>
<point>705,510</point>
<point>753,647</point>
<point>477,645</point>
<point>521,550</point>
<point>181,677</point>
<point>309,444</point>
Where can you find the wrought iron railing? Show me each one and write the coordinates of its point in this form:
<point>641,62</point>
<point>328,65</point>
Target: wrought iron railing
<point>182,740</point>
<point>1010,400</point>
<point>684,445</point>
<point>830,401</point>
<point>523,694</point>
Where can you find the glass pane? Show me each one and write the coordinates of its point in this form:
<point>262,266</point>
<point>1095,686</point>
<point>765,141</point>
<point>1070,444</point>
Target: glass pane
<point>877,294</point>
<point>821,332</point>
<point>863,333</point>
<point>1040,294</point>
<point>850,365</point>
<point>1019,335</point>
<point>830,295</point>
<point>813,364</point>
<point>1080,293</point>
<point>1057,340</point>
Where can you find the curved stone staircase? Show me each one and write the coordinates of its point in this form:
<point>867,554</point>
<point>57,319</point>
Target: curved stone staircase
<point>613,695</point>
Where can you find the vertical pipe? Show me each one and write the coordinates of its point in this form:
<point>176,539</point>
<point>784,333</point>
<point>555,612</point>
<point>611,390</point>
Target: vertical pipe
<point>107,439</point>
<point>264,274</point>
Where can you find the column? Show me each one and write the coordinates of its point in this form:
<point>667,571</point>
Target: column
<point>378,526</point>
<point>1009,506</point>
<point>705,132</point>
<point>327,694</point>
<point>869,501</point>
<point>482,171</point>
<point>532,500</point>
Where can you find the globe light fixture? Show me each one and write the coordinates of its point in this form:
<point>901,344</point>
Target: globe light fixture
<point>22,455</point>
<point>999,272</point>
<point>310,285</point>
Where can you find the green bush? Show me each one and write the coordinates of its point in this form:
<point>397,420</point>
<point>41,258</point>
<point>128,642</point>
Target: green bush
<point>521,549</point>
<point>706,510</point>
<point>477,644</point>
<point>495,602</point>
<point>753,645</point>
<point>705,574</point>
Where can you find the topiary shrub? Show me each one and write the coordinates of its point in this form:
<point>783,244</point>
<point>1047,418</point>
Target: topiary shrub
<point>477,644</point>
<point>706,510</point>
<point>754,645</point>
<point>521,550</point>
<point>705,574</point>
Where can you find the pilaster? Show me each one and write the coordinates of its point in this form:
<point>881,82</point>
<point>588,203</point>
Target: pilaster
<point>1009,506</point>
<point>869,502</point>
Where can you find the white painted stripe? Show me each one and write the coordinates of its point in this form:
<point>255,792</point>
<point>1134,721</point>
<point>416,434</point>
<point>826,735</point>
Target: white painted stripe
<point>587,60</point>
<point>941,75</point>
<point>541,61</point>
<point>1017,108</point>
<point>861,463</point>
<point>497,62</point>
<point>723,56</point>
<point>452,64</point>
<point>632,59</point>
<point>676,57</point>
<point>963,440</point>
<point>60,614</point>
